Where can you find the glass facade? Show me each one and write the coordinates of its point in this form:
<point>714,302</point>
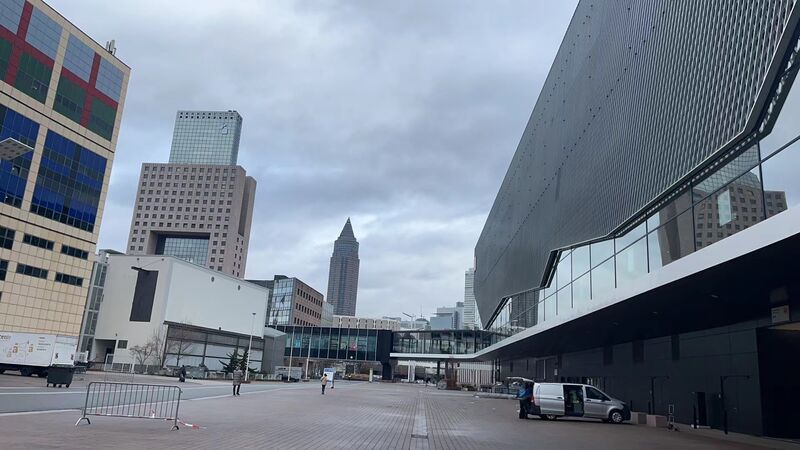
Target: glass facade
<point>91,105</point>
<point>279,310</point>
<point>732,197</point>
<point>69,183</point>
<point>191,249</point>
<point>93,301</point>
<point>451,342</point>
<point>195,346</point>
<point>346,344</point>
<point>206,137</point>
<point>14,173</point>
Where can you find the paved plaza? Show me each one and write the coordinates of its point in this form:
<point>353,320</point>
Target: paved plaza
<point>296,416</point>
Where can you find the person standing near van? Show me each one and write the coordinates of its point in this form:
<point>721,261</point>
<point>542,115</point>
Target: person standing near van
<point>524,396</point>
<point>237,381</point>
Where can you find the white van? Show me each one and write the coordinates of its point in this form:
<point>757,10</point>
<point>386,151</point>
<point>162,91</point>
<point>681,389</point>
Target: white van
<point>554,400</point>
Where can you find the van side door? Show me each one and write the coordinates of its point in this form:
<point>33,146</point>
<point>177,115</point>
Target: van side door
<point>551,399</point>
<point>597,404</point>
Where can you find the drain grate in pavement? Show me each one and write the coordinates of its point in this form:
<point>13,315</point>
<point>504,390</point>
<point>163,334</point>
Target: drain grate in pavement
<point>420,430</point>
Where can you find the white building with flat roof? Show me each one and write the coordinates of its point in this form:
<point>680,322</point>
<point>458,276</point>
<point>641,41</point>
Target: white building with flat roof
<point>142,293</point>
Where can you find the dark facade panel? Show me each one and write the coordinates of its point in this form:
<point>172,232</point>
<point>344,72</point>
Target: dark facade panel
<point>639,96</point>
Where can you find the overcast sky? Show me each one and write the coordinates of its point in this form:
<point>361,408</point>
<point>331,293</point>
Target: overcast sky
<point>402,115</point>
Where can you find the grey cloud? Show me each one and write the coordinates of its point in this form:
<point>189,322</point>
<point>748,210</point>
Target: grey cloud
<point>403,115</point>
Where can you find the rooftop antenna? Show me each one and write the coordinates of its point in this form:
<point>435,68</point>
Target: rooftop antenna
<point>111,47</point>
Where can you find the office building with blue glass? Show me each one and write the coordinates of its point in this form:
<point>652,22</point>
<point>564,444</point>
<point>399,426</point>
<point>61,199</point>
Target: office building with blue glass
<point>645,236</point>
<point>60,109</point>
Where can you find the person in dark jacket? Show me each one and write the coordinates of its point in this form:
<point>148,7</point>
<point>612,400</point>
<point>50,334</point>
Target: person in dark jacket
<point>182,374</point>
<point>238,375</point>
<point>525,396</point>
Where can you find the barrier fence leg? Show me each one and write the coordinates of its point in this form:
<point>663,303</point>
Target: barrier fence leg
<point>177,409</point>
<point>85,404</point>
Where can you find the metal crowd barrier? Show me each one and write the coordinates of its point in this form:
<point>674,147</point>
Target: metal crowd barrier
<point>140,401</point>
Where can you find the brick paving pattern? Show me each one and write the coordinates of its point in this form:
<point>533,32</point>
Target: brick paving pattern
<point>352,416</point>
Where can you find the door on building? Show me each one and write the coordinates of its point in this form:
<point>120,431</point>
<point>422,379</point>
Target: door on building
<point>779,375</point>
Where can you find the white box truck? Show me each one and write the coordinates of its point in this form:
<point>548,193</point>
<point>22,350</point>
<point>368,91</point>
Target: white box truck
<point>31,353</point>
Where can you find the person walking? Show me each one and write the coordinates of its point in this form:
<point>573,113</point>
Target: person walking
<point>324,382</point>
<point>524,396</point>
<point>182,374</point>
<point>237,381</point>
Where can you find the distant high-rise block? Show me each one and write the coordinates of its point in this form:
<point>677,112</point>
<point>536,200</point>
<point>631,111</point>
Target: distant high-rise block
<point>470,307</point>
<point>206,137</point>
<point>198,213</point>
<point>199,206</point>
<point>343,275</point>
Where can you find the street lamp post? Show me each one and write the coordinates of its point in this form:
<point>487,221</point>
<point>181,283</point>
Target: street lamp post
<point>249,346</point>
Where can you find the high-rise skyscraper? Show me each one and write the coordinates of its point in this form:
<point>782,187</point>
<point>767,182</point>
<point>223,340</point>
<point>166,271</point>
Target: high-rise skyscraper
<point>206,137</point>
<point>343,275</point>
<point>199,206</point>
<point>470,308</point>
<point>60,109</point>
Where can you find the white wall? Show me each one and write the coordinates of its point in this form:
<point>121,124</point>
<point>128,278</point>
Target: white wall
<point>226,302</point>
<point>185,293</point>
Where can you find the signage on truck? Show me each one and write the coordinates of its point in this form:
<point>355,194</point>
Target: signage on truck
<point>26,349</point>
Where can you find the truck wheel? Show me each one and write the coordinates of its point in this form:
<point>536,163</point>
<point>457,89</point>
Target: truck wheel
<point>2,371</point>
<point>41,374</point>
<point>551,416</point>
<point>26,372</point>
<point>67,386</point>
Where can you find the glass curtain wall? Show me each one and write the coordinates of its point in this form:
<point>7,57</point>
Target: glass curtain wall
<point>453,342</point>
<point>757,184</point>
<point>351,344</point>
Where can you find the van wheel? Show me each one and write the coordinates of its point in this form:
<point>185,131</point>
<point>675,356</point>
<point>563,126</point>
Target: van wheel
<point>615,416</point>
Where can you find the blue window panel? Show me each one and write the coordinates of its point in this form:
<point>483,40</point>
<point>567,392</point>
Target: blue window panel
<point>78,58</point>
<point>10,13</point>
<point>44,33</point>
<point>14,173</point>
<point>109,79</point>
<point>69,183</point>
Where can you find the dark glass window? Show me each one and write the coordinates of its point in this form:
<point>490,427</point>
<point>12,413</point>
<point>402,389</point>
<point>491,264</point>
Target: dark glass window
<point>69,183</point>
<point>38,242</point>
<point>31,271</point>
<point>33,77</point>
<point>594,394</point>
<point>69,279</point>
<point>3,269</point>
<point>76,252</point>
<point>5,56</point>
<point>70,98</point>
<point>6,237</point>
<point>101,118</point>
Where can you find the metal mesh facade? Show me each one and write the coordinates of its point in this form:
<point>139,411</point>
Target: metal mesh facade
<point>641,95</point>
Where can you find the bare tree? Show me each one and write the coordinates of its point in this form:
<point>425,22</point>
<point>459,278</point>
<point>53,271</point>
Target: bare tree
<point>158,342</point>
<point>142,353</point>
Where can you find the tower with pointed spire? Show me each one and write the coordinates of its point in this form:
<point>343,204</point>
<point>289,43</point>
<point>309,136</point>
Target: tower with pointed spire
<point>343,274</point>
